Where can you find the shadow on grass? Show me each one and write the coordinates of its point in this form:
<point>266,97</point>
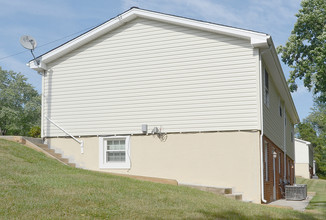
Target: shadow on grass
<point>239,215</point>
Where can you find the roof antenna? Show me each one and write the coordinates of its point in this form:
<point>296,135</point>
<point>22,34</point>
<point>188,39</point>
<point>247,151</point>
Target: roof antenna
<point>29,43</point>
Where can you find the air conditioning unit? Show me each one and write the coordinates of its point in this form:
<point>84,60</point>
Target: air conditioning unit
<point>296,192</point>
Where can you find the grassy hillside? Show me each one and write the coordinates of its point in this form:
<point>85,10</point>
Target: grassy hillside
<point>33,186</point>
<point>318,202</point>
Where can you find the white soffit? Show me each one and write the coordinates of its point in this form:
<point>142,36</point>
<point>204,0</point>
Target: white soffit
<point>256,39</point>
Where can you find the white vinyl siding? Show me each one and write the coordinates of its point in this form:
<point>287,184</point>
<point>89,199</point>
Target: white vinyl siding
<point>289,143</point>
<point>148,72</point>
<point>273,123</point>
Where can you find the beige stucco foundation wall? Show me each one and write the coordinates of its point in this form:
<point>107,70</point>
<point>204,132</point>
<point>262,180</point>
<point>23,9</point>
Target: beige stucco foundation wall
<point>222,159</point>
<point>302,169</point>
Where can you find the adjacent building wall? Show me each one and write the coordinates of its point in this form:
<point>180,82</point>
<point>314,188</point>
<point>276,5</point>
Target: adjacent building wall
<point>222,159</point>
<point>149,72</point>
<point>302,169</point>
<point>303,158</point>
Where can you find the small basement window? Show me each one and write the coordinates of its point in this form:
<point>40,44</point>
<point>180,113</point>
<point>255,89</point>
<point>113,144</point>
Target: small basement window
<point>114,152</point>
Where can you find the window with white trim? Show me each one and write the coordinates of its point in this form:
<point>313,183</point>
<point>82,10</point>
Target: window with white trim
<point>266,89</point>
<point>114,152</point>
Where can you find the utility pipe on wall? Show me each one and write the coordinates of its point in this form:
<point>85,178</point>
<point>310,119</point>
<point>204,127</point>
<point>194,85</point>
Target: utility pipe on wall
<point>262,129</point>
<point>261,92</point>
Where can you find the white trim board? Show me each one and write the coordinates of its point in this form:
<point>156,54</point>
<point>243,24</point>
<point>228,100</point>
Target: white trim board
<point>257,39</point>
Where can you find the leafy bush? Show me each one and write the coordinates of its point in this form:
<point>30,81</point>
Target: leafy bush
<point>35,132</point>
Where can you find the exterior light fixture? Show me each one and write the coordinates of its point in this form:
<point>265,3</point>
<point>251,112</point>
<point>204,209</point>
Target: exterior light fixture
<point>274,154</point>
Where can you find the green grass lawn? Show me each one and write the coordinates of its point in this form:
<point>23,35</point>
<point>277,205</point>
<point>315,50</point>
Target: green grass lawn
<point>33,186</point>
<point>318,202</point>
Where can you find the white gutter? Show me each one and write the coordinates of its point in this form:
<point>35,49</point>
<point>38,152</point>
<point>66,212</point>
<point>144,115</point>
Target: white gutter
<point>262,129</point>
<point>79,141</point>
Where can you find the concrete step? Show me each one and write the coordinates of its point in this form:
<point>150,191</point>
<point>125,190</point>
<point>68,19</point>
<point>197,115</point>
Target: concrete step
<point>72,165</point>
<point>52,152</point>
<point>65,160</point>
<point>35,144</point>
<point>215,190</point>
<point>234,196</point>
<point>227,192</point>
<point>43,146</point>
<point>46,148</point>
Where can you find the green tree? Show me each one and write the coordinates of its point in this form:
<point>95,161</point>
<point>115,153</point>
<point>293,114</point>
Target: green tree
<point>305,50</point>
<point>313,129</point>
<point>20,104</point>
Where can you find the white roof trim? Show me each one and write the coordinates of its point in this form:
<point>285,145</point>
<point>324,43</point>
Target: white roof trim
<point>256,39</point>
<point>302,141</point>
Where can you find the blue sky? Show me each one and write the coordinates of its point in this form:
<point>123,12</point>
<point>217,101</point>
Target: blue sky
<point>52,23</point>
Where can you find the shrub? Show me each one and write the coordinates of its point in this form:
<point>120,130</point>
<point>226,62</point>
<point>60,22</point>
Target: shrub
<point>35,132</point>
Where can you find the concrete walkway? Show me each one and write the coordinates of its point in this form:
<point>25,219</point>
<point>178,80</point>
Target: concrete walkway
<point>296,205</point>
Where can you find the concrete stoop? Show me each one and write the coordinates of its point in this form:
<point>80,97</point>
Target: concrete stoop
<point>46,148</point>
<point>227,192</point>
<point>36,144</point>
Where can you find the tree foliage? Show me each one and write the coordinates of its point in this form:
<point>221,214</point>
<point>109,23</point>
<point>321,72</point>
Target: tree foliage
<point>20,104</point>
<point>305,50</point>
<point>313,129</point>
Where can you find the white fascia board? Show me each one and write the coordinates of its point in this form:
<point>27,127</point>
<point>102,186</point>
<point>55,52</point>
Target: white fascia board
<point>281,83</point>
<point>87,37</point>
<point>39,68</point>
<point>302,141</point>
<point>256,39</point>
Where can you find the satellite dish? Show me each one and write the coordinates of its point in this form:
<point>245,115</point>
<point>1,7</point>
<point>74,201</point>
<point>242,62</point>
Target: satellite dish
<point>28,42</point>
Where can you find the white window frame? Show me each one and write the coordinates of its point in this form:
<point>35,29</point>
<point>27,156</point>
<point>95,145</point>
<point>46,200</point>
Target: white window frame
<point>102,153</point>
<point>266,88</point>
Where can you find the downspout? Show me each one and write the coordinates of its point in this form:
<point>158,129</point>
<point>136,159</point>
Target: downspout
<point>284,139</point>
<point>262,129</point>
<point>42,105</point>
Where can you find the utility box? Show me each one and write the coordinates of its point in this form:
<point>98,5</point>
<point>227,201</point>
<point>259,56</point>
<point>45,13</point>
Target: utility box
<point>296,192</point>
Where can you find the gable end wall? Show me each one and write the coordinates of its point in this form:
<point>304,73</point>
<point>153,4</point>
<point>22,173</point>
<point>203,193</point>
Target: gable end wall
<point>162,75</point>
